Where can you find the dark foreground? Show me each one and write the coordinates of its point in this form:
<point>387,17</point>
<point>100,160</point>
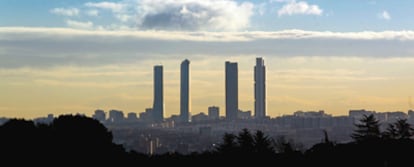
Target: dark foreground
<point>78,140</point>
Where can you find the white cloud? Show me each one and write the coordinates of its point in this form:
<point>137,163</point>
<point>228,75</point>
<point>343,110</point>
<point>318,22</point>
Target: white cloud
<point>301,7</point>
<point>79,25</point>
<point>65,11</point>
<point>271,1</point>
<point>92,12</point>
<point>201,36</point>
<point>221,15</point>
<point>384,15</point>
<point>216,15</point>
<point>113,6</point>
<point>123,17</point>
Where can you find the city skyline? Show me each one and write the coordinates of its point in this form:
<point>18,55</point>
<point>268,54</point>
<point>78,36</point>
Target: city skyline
<point>72,56</point>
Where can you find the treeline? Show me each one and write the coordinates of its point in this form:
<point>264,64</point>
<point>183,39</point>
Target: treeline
<point>79,140</point>
<point>67,141</point>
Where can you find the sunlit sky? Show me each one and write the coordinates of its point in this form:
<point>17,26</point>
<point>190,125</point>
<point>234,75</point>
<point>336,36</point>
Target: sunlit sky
<point>76,56</point>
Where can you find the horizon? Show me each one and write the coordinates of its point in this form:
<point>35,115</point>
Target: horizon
<point>65,57</point>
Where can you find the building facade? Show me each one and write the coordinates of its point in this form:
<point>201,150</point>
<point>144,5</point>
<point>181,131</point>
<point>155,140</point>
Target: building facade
<point>232,88</point>
<point>158,106</point>
<point>185,91</point>
<point>259,89</point>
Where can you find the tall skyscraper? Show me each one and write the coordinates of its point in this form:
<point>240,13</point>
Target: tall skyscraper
<point>185,92</point>
<point>259,89</point>
<point>232,91</point>
<point>158,107</point>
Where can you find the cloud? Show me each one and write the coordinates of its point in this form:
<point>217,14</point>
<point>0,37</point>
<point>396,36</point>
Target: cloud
<point>65,11</point>
<point>48,47</point>
<point>384,15</point>
<point>221,15</point>
<point>92,12</point>
<point>271,1</point>
<point>301,7</point>
<point>79,25</point>
<point>216,15</point>
<point>123,17</point>
<point>328,75</point>
<point>113,6</point>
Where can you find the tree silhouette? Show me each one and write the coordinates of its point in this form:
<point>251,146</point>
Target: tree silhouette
<point>282,145</point>
<point>18,138</point>
<point>399,130</point>
<point>246,141</point>
<point>72,140</point>
<point>367,130</point>
<point>262,143</point>
<point>229,144</point>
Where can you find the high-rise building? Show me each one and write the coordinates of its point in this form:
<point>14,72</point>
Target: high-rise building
<point>158,107</point>
<point>185,92</point>
<point>116,116</point>
<point>99,115</point>
<point>232,88</point>
<point>259,89</point>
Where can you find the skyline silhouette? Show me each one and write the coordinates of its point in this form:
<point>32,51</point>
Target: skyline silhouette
<point>76,56</point>
<point>132,82</point>
<point>72,139</point>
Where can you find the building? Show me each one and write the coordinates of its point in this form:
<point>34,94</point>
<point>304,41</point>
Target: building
<point>158,107</point>
<point>44,120</point>
<point>99,115</point>
<point>410,116</point>
<point>244,114</point>
<point>213,113</point>
<point>132,117</point>
<point>185,92</point>
<point>200,117</point>
<point>232,88</point>
<point>311,114</point>
<point>116,116</point>
<point>259,89</point>
<point>146,116</point>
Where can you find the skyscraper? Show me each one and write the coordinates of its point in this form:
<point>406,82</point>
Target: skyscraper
<point>259,89</point>
<point>185,92</point>
<point>158,107</point>
<point>232,88</point>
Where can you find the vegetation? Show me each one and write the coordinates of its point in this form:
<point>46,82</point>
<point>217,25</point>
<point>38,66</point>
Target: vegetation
<point>74,140</point>
<point>367,130</point>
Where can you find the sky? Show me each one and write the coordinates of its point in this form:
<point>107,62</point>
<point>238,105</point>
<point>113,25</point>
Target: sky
<point>76,56</point>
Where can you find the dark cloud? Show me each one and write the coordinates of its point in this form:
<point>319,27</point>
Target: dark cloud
<point>20,47</point>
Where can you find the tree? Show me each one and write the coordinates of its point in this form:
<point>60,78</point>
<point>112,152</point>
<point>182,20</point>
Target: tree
<point>367,130</point>
<point>325,147</point>
<point>263,144</point>
<point>68,139</point>
<point>282,145</point>
<point>246,141</point>
<point>229,144</point>
<point>399,130</point>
